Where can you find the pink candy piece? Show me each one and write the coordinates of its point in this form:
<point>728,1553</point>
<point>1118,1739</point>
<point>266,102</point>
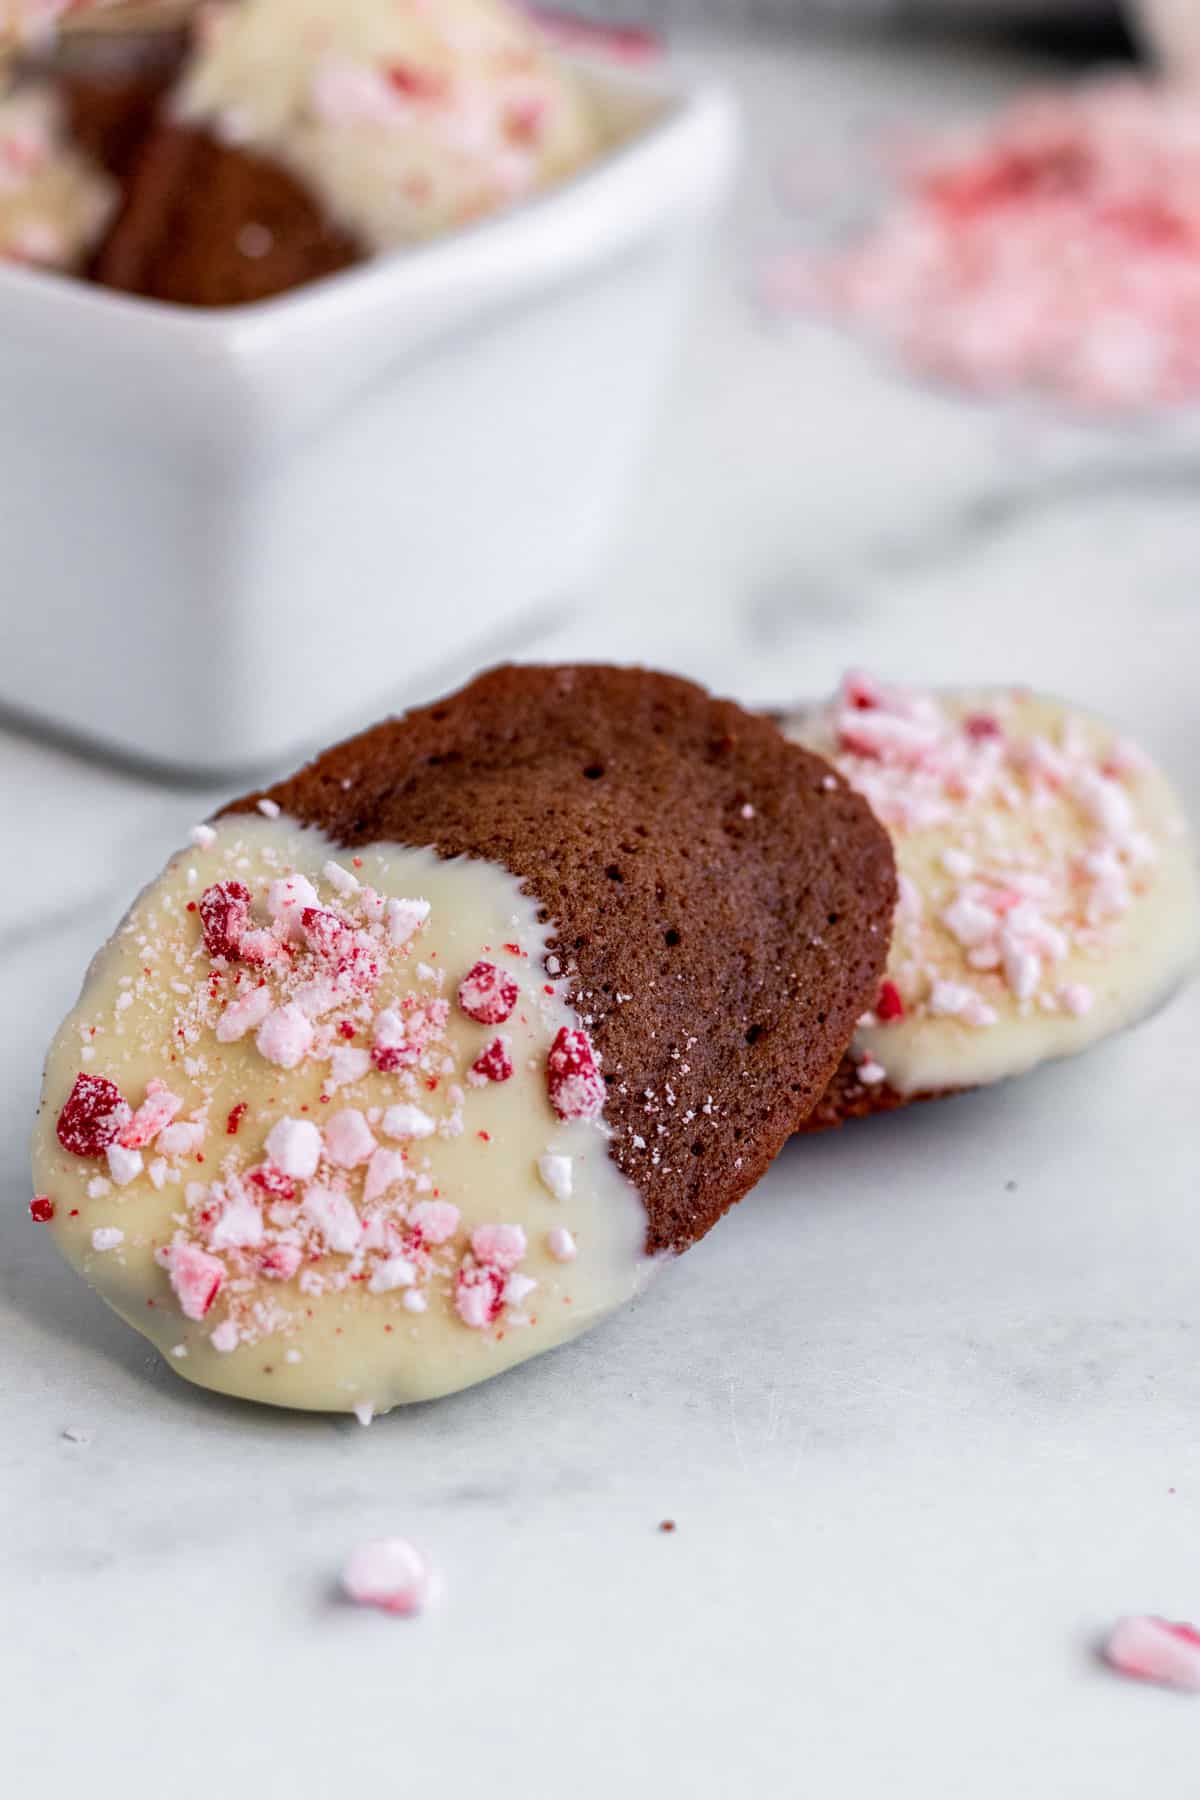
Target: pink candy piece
<point>279,1262</point>
<point>195,1276</point>
<point>1156,1650</point>
<point>573,1080</point>
<point>349,1140</point>
<point>488,994</point>
<point>1076,999</point>
<point>285,1037</point>
<point>224,915</point>
<point>294,1147</point>
<point>392,1048</point>
<point>493,1064</point>
<point>502,1245</point>
<point>561,1244</point>
<point>244,1014</point>
<point>335,1217</point>
<point>156,1111</point>
<point>326,935</point>
<point>225,1337</point>
<point>182,1139</point>
<point>287,899</point>
<point>384,1170</point>
<point>435,1220</point>
<point>389,1574</point>
<point>479,1294</point>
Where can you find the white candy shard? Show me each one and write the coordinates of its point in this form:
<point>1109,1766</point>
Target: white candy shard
<point>294,1147</point>
<point>389,1574</point>
<point>407,1121</point>
<point>556,1174</point>
<point>123,1165</point>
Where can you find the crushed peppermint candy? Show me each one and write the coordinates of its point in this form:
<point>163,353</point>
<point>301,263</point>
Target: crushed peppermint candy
<point>389,1574</point>
<point>1152,1649</point>
<point>1022,839</point>
<point>493,1064</point>
<point>561,1244</point>
<point>556,1174</point>
<point>261,997</point>
<point>575,1084</point>
<point>95,1115</point>
<point>1054,247</point>
<point>488,994</point>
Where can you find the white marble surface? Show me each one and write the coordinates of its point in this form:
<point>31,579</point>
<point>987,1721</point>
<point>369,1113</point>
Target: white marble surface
<point>924,1409</point>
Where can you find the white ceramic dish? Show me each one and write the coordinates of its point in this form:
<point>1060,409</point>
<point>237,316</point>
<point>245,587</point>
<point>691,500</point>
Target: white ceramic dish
<point>1171,30</point>
<point>294,510</point>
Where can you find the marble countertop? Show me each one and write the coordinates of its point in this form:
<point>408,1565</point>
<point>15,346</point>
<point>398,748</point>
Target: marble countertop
<point>924,1409</point>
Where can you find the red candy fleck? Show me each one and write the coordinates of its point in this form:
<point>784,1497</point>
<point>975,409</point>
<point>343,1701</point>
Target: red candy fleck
<point>346,1028</point>
<point>272,1181</point>
<point>861,692</point>
<point>492,1064</point>
<point>236,1115</point>
<point>225,915</point>
<point>94,1117</point>
<point>525,120</point>
<point>417,84</point>
<point>574,1082</point>
<point>41,1209</point>
<point>487,994</point>
<point>981,726</point>
<point>889,1005</point>
<point>387,1058</point>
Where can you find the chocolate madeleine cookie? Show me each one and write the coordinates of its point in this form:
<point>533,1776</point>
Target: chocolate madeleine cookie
<point>1048,892</point>
<point>416,1064</point>
<point>204,224</point>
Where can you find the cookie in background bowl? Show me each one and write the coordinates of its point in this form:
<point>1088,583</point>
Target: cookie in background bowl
<point>307,135</point>
<point>415,1065</point>
<point>1048,890</point>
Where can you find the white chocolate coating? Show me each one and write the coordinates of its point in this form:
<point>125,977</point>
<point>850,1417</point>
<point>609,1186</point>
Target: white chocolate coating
<point>405,118</point>
<point>1048,888</point>
<point>54,202</point>
<point>367,1312</point>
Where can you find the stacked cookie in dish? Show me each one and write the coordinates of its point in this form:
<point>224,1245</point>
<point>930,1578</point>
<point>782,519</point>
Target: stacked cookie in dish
<point>420,1062</point>
<point>276,141</point>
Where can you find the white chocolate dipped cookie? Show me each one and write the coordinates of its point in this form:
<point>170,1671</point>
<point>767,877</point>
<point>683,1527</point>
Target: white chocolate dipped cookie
<point>1048,887</point>
<point>402,118</point>
<point>415,1066</point>
<point>304,1113</point>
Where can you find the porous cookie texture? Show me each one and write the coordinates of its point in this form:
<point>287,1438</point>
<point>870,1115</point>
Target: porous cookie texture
<point>408,1069</point>
<point>1047,889</point>
<point>258,233</point>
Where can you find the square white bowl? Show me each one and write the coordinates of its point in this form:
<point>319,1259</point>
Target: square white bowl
<point>231,534</point>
